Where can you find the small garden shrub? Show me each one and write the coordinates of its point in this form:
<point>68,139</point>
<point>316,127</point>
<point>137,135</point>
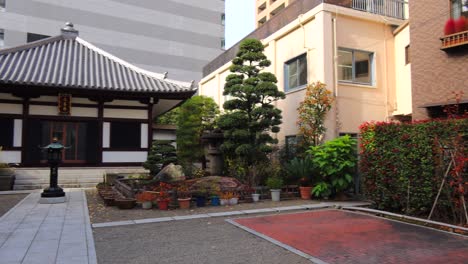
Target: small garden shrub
<point>335,161</point>
<point>402,165</point>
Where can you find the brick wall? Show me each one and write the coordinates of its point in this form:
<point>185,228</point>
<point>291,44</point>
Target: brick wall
<point>435,73</point>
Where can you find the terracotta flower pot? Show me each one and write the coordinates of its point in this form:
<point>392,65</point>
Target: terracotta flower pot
<point>184,203</point>
<point>163,204</point>
<point>305,192</point>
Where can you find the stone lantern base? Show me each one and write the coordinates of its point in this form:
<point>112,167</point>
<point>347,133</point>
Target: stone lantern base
<point>52,200</point>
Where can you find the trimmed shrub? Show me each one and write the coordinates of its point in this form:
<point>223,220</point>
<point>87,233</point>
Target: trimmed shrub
<point>402,165</point>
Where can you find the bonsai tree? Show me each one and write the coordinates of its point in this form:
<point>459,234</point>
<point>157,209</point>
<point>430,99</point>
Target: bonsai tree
<point>195,116</point>
<point>335,161</point>
<point>312,112</point>
<point>250,115</point>
<point>161,154</point>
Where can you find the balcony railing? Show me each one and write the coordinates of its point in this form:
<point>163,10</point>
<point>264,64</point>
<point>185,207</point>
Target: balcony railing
<point>453,41</point>
<point>389,8</point>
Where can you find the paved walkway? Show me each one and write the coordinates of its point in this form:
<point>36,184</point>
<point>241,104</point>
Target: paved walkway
<point>48,233</point>
<point>335,236</point>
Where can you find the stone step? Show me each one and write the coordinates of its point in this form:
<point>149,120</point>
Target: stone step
<point>42,186</point>
<point>68,177</point>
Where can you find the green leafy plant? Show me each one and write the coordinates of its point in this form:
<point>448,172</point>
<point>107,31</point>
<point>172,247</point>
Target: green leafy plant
<point>312,113</point>
<point>322,189</point>
<point>161,154</point>
<point>195,116</point>
<point>300,169</point>
<point>274,182</point>
<point>250,116</point>
<point>168,118</point>
<point>335,161</point>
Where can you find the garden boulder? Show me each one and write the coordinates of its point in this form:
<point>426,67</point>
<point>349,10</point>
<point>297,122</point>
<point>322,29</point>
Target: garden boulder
<point>171,173</point>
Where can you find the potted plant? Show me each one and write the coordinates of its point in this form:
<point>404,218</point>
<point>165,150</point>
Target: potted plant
<point>200,197</point>
<point>275,183</point>
<point>335,160</point>
<point>225,197</point>
<point>183,197</point>
<point>215,200</point>
<point>234,199</point>
<point>301,169</point>
<point>146,199</point>
<point>163,196</point>
<point>255,196</point>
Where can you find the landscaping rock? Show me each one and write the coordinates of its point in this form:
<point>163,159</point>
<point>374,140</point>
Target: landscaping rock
<point>171,173</point>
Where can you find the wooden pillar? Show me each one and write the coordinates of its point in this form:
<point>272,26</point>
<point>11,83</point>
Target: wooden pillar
<point>100,132</point>
<point>150,124</point>
<point>24,119</point>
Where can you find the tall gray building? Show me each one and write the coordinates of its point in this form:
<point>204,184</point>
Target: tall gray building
<point>174,36</point>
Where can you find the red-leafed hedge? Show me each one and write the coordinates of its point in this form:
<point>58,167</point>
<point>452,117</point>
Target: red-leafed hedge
<point>402,165</point>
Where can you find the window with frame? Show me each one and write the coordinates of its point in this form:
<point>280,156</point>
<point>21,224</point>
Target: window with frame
<point>6,132</point>
<point>223,19</point>
<point>125,135</point>
<point>295,73</point>
<point>355,66</point>
<point>407,55</point>
<point>459,8</point>
<point>223,43</point>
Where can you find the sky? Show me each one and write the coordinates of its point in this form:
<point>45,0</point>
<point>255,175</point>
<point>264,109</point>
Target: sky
<point>240,20</point>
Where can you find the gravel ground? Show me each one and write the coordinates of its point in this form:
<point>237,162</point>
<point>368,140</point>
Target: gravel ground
<point>100,213</point>
<point>8,201</point>
<point>203,241</point>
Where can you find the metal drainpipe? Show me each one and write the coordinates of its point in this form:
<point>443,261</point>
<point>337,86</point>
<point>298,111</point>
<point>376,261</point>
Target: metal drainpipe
<point>335,79</point>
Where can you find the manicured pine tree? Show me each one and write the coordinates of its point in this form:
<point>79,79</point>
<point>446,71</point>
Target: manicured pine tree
<point>162,153</point>
<point>250,116</point>
<point>194,117</point>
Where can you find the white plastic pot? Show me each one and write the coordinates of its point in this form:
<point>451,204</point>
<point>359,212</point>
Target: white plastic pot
<point>255,197</point>
<point>275,195</point>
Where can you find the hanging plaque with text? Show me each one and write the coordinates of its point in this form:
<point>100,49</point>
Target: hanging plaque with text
<point>64,104</point>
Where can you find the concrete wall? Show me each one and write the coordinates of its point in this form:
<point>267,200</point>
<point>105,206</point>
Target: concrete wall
<point>312,34</point>
<point>178,36</point>
<point>436,74</point>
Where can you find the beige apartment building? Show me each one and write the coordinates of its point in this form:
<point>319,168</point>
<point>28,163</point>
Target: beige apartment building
<point>356,50</point>
<point>266,9</point>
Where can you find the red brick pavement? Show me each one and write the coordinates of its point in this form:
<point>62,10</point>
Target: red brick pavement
<point>337,236</point>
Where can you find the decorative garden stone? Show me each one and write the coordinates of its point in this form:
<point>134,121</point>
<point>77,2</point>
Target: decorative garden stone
<point>171,173</point>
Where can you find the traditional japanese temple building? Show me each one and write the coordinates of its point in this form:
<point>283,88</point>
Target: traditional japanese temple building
<point>98,105</point>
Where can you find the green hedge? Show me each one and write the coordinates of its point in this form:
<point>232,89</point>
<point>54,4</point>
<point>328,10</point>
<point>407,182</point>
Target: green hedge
<point>402,165</point>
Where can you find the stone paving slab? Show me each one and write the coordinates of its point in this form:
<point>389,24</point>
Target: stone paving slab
<point>48,233</point>
<point>337,236</point>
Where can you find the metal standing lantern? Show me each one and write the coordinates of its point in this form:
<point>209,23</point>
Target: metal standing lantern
<point>54,158</point>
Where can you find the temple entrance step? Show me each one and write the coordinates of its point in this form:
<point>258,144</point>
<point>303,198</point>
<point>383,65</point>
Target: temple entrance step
<point>73,177</point>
